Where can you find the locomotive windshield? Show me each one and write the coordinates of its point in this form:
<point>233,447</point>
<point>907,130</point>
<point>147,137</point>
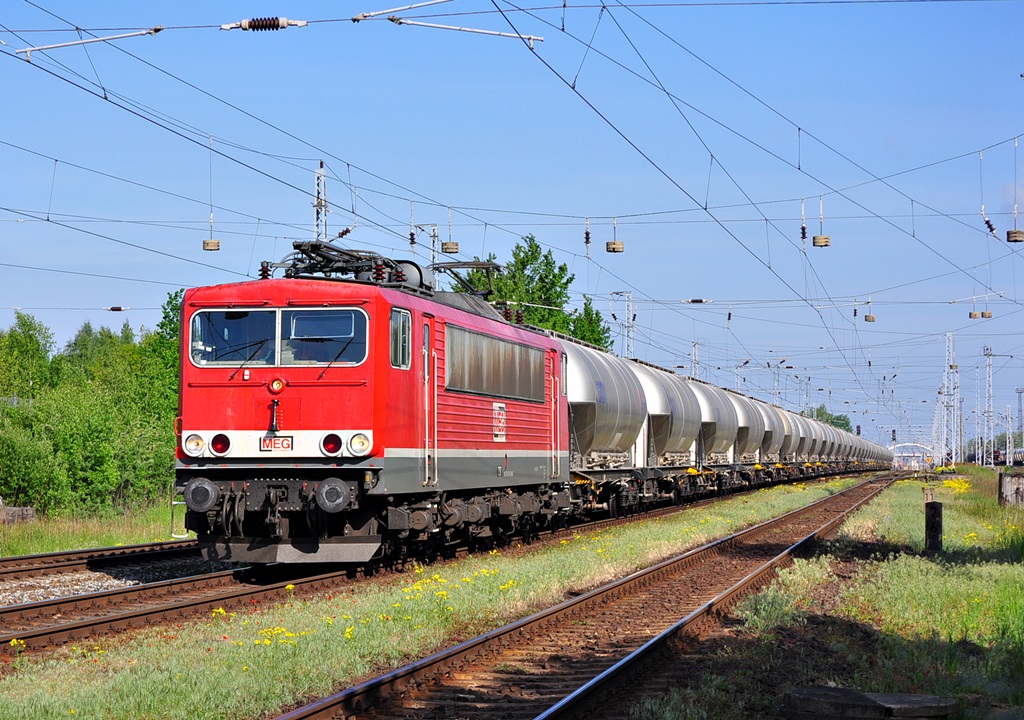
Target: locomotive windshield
<point>278,337</point>
<point>229,337</point>
<point>322,336</point>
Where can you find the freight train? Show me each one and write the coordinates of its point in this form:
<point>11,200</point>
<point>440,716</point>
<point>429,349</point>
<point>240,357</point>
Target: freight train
<point>350,411</point>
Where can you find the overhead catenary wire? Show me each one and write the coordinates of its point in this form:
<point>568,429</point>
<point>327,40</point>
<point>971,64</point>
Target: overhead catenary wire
<point>831,188</point>
<point>129,53</point>
<point>484,222</point>
<point>647,158</point>
<point>126,243</point>
<point>537,8</point>
<point>627,5</point>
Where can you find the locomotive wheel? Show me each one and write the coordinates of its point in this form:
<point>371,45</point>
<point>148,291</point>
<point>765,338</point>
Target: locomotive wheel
<point>613,506</point>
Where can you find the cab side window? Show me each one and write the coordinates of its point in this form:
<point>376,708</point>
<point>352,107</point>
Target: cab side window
<point>401,339</point>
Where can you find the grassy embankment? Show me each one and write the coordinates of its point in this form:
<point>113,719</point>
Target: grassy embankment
<point>873,613</point>
<point>247,662</point>
<point>75,533</point>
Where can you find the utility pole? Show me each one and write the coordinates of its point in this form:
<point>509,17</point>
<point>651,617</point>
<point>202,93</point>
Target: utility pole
<point>736,370</point>
<point>978,449</point>
<point>951,404</point>
<point>630,323</point>
<point>1020,415</point>
<point>776,390</point>
<point>321,204</point>
<point>990,438</point>
<point>990,433</point>
<point>1008,459</point>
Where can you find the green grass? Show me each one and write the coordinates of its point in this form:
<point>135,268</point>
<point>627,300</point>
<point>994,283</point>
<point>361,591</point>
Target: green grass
<point>975,528</point>
<point>951,625</point>
<point>782,602</point>
<point>76,533</point>
<point>247,663</point>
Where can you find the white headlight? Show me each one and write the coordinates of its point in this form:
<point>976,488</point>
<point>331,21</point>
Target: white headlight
<point>194,444</point>
<point>359,444</point>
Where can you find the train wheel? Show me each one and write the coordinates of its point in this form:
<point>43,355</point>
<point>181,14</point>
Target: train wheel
<point>613,505</point>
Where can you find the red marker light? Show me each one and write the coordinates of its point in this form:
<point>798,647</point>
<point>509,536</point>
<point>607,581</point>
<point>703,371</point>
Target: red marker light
<point>220,444</point>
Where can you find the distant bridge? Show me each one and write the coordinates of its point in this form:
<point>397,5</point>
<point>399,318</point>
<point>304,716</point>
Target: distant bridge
<point>904,456</point>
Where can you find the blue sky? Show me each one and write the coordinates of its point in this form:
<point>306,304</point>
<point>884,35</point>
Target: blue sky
<point>700,128</point>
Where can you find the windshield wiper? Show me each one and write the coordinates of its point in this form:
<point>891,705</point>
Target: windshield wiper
<point>259,346</point>
<point>335,358</point>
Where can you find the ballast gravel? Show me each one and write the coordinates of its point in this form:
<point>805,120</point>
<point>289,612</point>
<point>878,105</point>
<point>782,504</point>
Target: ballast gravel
<point>58,585</point>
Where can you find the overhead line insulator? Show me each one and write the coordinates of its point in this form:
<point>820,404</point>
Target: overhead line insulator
<point>265,23</point>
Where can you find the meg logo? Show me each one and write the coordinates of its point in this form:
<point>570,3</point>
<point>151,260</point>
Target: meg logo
<point>276,443</point>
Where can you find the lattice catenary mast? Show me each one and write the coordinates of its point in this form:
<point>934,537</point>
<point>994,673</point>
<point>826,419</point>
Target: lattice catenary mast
<point>946,427</point>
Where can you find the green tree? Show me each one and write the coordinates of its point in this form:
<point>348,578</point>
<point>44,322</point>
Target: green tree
<point>169,326</point>
<point>163,344</point>
<point>99,435</point>
<point>25,352</point>
<point>821,414</point>
<point>90,346</point>
<point>536,286</point>
<point>588,325</point>
<point>30,472</point>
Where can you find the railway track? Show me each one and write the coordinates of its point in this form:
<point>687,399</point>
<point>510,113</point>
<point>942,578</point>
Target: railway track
<point>51,623</point>
<point>22,566</point>
<point>564,661</point>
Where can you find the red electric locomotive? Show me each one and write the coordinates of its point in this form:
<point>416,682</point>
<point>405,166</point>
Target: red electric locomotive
<point>348,410</point>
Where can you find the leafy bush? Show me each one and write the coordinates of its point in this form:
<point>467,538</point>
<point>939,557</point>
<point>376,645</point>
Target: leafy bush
<point>92,427</point>
<point>30,474</point>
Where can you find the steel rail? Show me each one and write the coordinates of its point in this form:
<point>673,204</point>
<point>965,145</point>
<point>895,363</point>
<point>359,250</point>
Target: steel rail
<point>42,637</point>
<point>70,560</point>
<point>587,694</point>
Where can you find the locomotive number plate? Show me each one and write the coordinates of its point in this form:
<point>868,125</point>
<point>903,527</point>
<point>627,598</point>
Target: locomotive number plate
<point>500,422</point>
<point>276,443</point>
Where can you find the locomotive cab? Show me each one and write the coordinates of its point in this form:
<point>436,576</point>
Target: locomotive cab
<point>268,451</point>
